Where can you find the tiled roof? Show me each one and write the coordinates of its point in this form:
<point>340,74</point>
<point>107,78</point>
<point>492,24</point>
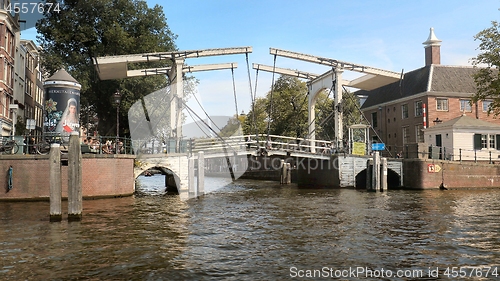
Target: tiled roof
<point>464,121</point>
<point>451,79</point>
<point>455,79</point>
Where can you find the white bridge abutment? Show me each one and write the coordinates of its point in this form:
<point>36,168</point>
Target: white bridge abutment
<point>174,167</point>
<point>348,172</point>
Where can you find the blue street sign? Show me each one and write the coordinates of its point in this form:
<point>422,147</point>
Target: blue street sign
<point>378,146</point>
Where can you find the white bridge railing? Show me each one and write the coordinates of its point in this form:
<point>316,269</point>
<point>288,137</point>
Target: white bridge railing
<point>248,142</point>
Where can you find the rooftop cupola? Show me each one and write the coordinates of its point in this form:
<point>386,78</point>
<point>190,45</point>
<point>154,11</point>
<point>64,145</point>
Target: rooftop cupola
<point>432,49</point>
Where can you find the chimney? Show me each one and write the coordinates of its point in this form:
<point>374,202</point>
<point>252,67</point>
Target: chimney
<point>432,49</point>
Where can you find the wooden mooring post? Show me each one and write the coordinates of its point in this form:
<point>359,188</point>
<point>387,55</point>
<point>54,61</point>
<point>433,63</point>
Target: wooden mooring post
<point>55,183</point>
<point>286,173</point>
<point>191,187</point>
<point>74,178</point>
<point>383,174</point>
<point>376,173</point>
<point>201,174</point>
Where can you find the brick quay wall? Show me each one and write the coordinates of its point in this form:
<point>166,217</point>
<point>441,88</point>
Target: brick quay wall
<point>429,174</point>
<point>103,176</point>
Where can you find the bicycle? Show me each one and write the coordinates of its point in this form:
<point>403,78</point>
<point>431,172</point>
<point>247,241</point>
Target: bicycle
<point>43,147</point>
<point>9,147</point>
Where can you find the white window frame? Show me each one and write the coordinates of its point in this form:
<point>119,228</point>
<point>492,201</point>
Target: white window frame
<point>404,109</point>
<point>419,133</point>
<point>406,134</point>
<point>486,105</point>
<point>465,106</point>
<point>418,108</point>
<point>443,102</point>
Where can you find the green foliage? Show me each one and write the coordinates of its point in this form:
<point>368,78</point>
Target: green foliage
<point>20,126</point>
<point>285,113</point>
<point>87,29</point>
<point>350,109</point>
<point>289,111</point>
<point>488,78</point>
<point>233,126</point>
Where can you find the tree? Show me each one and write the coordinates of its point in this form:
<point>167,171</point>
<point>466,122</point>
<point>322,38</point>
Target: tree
<point>487,79</point>
<point>285,113</point>
<point>233,126</point>
<point>289,111</point>
<point>83,30</point>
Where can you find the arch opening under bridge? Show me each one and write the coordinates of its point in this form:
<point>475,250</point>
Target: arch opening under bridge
<point>393,179</point>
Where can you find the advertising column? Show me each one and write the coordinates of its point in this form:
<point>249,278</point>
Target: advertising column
<point>62,105</point>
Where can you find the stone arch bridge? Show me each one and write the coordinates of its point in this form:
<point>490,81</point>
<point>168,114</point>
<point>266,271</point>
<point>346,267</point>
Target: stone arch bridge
<point>322,169</point>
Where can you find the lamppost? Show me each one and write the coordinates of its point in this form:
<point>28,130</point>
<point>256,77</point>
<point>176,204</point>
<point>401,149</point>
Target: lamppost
<point>117,96</point>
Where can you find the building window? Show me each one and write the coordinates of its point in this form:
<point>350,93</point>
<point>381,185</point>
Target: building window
<point>486,141</point>
<point>442,104</point>
<point>406,135</point>
<point>418,108</point>
<point>486,105</point>
<point>374,119</point>
<point>465,106</point>
<point>404,111</point>
<point>419,132</point>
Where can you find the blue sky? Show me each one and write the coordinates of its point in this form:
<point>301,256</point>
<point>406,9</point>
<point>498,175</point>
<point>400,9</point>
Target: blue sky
<point>381,34</point>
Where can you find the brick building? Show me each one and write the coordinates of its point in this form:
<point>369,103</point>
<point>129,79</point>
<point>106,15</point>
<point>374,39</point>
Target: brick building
<point>33,89</point>
<point>396,111</point>
<point>21,87</point>
<point>9,40</point>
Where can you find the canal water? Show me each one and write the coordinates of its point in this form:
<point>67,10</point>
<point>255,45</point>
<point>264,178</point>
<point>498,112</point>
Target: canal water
<point>254,230</point>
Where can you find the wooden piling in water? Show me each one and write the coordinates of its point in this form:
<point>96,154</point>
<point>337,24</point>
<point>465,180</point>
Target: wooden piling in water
<point>286,175</point>
<point>55,183</point>
<point>74,178</point>
<point>191,187</point>
<point>376,171</point>
<point>383,174</point>
<point>201,173</point>
<point>369,170</point>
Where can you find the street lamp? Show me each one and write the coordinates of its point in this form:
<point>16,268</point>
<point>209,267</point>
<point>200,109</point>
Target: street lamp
<point>117,96</point>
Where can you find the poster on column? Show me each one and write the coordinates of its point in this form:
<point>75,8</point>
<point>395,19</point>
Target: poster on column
<point>62,111</point>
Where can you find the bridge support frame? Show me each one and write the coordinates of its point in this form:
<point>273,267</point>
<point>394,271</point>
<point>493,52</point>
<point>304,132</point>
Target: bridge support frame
<point>316,86</point>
